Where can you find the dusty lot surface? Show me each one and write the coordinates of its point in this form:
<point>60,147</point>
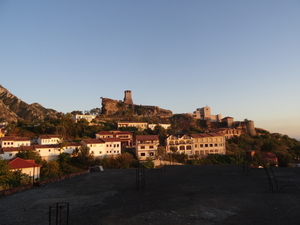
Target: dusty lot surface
<point>205,195</point>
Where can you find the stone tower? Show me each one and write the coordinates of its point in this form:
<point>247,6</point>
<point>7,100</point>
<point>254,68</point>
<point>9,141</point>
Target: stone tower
<point>250,127</point>
<point>127,97</point>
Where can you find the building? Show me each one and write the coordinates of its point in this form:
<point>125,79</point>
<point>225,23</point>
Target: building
<point>112,146</point>
<point>96,146</point>
<point>11,152</point>
<point>146,146</point>
<point>164,125</point>
<point>28,167</point>
<point>78,117</point>
<point>208,143</point>
<point>48,152</point>
<point>229,133</point>
<point>11,141</point>
<point>104,134</point>
<point>104,146</point>
<point>205,114</point>
<point>229,121</point>
<point>180,143</point>
<point>125,136</point>
<point>49,139</point>
<point>138,125</point>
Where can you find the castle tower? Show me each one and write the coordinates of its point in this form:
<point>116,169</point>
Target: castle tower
<point>127,97</point>
<point>250,127</point>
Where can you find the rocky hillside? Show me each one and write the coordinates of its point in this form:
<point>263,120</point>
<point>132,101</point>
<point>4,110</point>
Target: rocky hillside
<point>112,107</point>
<point>12,108</point>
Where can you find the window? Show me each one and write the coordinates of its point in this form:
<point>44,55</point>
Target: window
<point>49,150</point>
<point>142,147</point>
<point>106,145</point>
<point>117,145</point>
<point>10,154</point>
<point>201,146</point>
<point>216,145</point>
<point>100,152</point>
<point>206,145</point>
<point>216,150</point>
<point>151,154</point>
<point>142,154</point>
<point>106,151</point>
<point>92,152</point>
<point>114,145</point>
<point>210,145</point>
<point>151,146</point>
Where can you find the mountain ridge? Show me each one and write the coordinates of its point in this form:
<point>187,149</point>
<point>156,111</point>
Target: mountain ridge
<point>14,109</point>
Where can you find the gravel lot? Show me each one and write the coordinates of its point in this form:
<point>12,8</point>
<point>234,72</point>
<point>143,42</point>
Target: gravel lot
<point>205,195</point>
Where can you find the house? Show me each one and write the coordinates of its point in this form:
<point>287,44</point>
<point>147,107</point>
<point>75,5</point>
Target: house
<point>164,125</point>
<point>10,152</point>
<point>112,146</point>
<point>125,136</point>
<point>28,167</point>
<point>12,141</point>
<point>104,134</point>
<point>70,148</point>
<point>96,146</point>
<point>78,117</point>
<point>208,143</point>
<point>146,146</point>
<point>49,139</point>
<point>138,125</point>
<point>48,152</point>
<point>180,143</point>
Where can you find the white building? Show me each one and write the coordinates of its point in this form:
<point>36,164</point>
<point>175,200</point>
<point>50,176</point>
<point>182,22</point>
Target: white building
<point>96,146</point>
<point>10,152</point>
<point>28,167</point>
<point>89,118</point>
<point>49,139</point>
<point>164,125</point>
<point>180,143</point>
<point>146,146</point>
<point>11,141</point>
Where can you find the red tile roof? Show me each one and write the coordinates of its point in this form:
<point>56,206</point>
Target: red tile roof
<point>17,149</point>
<point>13,138</point>
<point>110,139</point>
<point>92,141</point>
<point>48,136</point>
<point>18,163</point>
<point>146,137</point>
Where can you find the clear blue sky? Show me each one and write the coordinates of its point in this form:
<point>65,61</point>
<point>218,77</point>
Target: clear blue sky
<point>241,58</point>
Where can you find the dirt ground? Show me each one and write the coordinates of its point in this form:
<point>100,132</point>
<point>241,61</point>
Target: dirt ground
<point>206,195</point>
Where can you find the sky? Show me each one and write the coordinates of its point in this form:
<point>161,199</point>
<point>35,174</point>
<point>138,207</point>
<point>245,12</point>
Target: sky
<point>241,58</point>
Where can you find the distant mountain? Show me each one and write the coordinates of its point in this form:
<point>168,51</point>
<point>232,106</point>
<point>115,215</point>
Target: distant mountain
<point>13,109</point>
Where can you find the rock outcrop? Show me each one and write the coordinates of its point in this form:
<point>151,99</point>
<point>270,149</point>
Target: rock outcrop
<point>13,109</point>
<point>112,107</point>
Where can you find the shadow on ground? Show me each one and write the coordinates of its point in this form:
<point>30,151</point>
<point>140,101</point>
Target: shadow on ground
<point>213,194</point>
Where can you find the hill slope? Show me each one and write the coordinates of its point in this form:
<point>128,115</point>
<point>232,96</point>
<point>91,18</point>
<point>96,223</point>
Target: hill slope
<point>12,108</point>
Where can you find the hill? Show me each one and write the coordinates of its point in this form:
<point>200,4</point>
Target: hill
<point>14,109</point>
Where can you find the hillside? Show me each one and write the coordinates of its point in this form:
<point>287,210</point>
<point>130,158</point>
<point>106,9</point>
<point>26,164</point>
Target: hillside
<point>13,109</point>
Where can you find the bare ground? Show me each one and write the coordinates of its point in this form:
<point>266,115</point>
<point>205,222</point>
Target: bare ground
<point>205,195</point>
